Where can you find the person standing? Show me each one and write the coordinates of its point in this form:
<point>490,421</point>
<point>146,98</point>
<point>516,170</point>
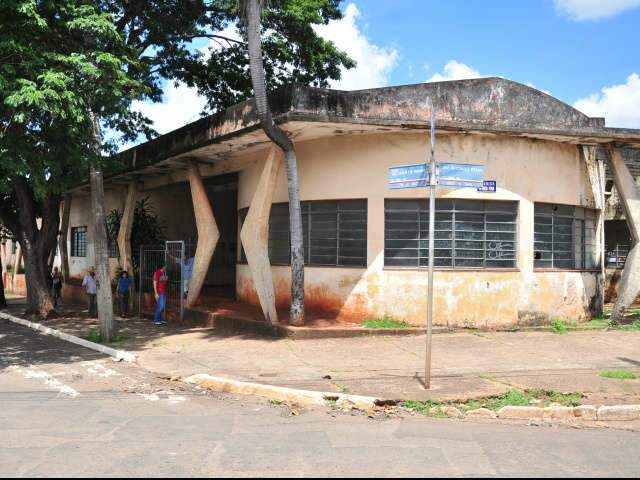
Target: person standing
<point>187,273</point>
<point>122,292</point>
<point>91,287</point>
<point>160,284</point>
<point>56,286</point>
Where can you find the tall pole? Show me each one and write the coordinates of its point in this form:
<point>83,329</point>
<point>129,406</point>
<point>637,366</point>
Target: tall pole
<point>432,220</point>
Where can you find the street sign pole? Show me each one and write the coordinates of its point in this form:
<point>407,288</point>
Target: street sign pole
<point>433,180</point>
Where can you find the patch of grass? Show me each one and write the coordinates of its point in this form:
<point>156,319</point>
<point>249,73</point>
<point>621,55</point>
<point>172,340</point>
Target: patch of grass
<point>343,389</point>
<point>618,374</point>
<point>559,327</point>
<point>275,403</point>
<point>628,327</point>
<point>425,408</point>
<point>385,322</point>
<point>95,337</point>
<point>512,398</point>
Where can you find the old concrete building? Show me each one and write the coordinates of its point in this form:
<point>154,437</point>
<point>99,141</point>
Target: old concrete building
<point>531,252</point>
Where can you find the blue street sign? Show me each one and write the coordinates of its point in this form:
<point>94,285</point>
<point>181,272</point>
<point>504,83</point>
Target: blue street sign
<point>461,175</point>
<point>408,176</point>
<point>489,186</point>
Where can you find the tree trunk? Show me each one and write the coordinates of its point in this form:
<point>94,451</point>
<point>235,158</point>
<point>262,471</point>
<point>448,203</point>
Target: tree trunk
<point>35,243</point>
<point>100,242</point>
<point>37,278</point>
<point>253,13</point>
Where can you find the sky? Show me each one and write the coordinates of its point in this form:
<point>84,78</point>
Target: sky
<point>584,52</point>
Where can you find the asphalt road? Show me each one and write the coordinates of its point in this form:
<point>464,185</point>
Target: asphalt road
<point>66,411</point>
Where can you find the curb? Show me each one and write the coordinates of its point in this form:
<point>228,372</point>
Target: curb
<point>119,355</point>
<point>588,413</point>
<point>283,394</point>
<point>591,413</point>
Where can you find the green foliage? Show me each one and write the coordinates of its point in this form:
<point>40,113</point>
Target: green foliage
<point>618,374</point>
<point>512,398</point>
<point>559,327</point>
<point>94,336</point>
<point>147,227</point>
<point>385,322</point>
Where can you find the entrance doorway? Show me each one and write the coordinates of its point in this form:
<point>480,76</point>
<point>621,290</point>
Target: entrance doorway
<point>223,195</point>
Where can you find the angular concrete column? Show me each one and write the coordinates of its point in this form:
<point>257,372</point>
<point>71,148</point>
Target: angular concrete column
<point>596,175</point>
<point>629,192</point>
<point>208,233</point>
<point>255,236</point>
<point>64,235</point>
<point>17,265</point>
<point>126,226</point>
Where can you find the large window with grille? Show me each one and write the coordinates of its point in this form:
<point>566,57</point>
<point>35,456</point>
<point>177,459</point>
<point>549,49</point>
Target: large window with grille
<point>564,237</point>
<point>335,232</point>
<point>79,241</point>
<point>468,233</point>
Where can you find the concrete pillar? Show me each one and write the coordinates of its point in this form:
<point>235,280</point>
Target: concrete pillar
<point>64,235</point>
<point>255,236</point>
<point>208,233</point>
<point>596,175</point>
<point>17,264</point>
<point>126,226</point>
<point>4,254</point>
<point>629,192</point>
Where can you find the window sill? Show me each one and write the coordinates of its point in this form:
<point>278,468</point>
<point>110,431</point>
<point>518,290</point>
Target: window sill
<point>559,270</point>
<point>352,267</point>
<point>451,269</point>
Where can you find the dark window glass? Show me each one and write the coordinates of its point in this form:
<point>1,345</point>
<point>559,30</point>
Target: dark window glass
<point>468,233</point>
<point>79,241</point>
<point>335,232</point>
<point>564,237</point>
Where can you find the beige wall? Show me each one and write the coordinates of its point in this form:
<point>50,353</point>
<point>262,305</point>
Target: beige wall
<point>526,170</point>
<point>82,215</point>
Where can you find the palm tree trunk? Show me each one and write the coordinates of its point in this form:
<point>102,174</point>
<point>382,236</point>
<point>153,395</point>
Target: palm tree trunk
<point>253,13</point>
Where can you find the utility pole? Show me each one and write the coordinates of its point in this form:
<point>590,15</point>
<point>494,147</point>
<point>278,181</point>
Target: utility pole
<point>433,180</point>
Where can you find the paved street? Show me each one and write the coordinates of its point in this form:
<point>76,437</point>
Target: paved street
<point>69,411</point>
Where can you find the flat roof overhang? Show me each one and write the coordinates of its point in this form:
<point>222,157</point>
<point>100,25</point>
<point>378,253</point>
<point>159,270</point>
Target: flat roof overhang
<point>494,107</point>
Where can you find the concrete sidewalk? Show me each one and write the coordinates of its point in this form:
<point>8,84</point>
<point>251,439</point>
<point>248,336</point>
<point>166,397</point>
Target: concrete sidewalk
<point>465,365</point>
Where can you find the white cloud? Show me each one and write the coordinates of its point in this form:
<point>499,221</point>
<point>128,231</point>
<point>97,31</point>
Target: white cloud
<point>374,63</point>
<point>619,104</point>
<point>582,10</point>
<point>180,105</point>
<point>548,92</point>
<point>455,70</point>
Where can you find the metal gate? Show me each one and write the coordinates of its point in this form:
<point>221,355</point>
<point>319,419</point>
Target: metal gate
<point>171,255</point>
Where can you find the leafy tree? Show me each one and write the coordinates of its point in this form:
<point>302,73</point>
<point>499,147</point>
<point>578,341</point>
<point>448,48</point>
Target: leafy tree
<point>69,67</point>
<point>162,32</point>
<point>63,65</point>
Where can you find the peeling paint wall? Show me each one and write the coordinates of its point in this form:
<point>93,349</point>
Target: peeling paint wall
<point>526,171</point>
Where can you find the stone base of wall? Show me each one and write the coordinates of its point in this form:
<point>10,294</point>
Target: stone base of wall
<point>462,299</point>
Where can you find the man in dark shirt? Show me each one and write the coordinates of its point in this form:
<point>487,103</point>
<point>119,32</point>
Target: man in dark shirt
<point>122,291</point>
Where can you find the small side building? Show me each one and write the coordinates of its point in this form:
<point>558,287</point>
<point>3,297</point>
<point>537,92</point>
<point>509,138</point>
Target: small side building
<point>527,254</point>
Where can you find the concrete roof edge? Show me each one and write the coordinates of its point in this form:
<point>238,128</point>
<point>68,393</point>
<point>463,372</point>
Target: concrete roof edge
<point>489,103</point>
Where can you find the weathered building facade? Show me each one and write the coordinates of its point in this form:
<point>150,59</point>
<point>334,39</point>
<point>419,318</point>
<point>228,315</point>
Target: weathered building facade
<point>531,252</point>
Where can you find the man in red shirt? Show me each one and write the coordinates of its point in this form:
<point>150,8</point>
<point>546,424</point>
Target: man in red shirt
<point>160,285</point>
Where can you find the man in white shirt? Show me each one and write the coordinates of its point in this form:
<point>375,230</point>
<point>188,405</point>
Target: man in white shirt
<point>89,283</point>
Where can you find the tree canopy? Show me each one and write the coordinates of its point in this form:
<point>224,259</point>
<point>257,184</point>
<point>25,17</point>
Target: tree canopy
<point>64,63</point>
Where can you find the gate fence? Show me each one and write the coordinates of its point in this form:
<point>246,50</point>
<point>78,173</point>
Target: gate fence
<point>169,254</point>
